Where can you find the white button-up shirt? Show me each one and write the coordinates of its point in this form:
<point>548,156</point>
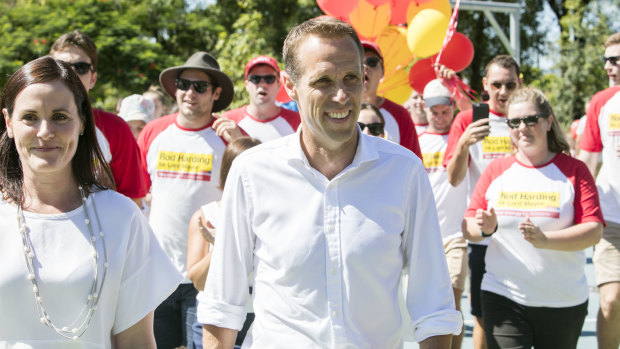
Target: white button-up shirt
<point>327,255</point>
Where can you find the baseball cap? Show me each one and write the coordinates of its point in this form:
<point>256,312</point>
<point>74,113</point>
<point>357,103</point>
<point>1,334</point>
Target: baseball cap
<point>436,93</point>
<point>372,46</point>
<point>266,60</point>
<point>136,107</point>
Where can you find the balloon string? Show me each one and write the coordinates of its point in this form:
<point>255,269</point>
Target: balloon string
<point>454,20</point>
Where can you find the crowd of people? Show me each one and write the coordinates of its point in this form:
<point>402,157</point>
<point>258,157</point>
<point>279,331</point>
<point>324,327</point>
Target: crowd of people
<point>138,230</point>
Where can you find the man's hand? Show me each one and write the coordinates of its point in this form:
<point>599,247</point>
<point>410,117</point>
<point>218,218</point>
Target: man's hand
<point>207,230</point>
<point>475,132</point>
<point>226,128</point>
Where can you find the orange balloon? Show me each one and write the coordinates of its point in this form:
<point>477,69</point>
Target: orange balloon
<point>426,32</point>
<point>395,86</point>
<point>442,6</point>
<point>393,44</point>
<point>369,20</point>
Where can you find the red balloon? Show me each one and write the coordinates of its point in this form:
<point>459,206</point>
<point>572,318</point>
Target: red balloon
<point>337,8</point>
<point>458,54</point>
<point>282,95</point>
<point>421,73</point>
<point>377,2</point>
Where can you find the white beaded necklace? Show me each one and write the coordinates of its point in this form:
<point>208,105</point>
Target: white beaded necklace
<point>83,318</point>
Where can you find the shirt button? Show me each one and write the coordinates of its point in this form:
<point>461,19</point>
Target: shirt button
<point>335,313</point>
<point>332,271</point>
<point>330,228</point>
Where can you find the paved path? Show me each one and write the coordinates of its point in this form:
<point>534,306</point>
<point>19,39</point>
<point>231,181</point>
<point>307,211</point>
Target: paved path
<point>588,333</point>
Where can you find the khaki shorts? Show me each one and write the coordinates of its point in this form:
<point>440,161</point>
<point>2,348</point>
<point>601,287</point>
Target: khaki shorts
<point>456,256</point>
<point>607,255</point>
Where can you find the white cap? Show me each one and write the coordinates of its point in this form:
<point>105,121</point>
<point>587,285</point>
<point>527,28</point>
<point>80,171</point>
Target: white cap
<point>136,107</point>
<point>436,93</point>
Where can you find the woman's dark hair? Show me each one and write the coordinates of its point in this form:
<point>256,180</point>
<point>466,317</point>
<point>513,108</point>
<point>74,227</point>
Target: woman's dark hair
<point>556,141</point>
<point>233,149</point>
<point>88,165</point>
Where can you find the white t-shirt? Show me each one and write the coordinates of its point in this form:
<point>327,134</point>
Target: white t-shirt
<point>451,202</point>
<point>182,167</point>
<point>283,124</point>
<point>139,275</point>
<point>327,255</point>
<point>602,134</point>
<point>555,196</point>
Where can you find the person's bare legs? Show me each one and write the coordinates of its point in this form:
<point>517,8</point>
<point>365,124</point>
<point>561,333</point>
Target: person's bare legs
<point>480,341</point>
<point>608,321</point>
<point>457,340</point>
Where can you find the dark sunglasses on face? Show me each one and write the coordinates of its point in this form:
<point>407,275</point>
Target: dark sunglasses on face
<point>255,79</point>
<point>529,120</point>
<point>510,85</point>
<point>81,67</point>
<point>375,129</point>
<point>613,59</point>
<point>199,86</point>
<point>372,61</point>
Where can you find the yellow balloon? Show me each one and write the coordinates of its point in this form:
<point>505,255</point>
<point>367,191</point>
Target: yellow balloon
<point>442,6</point>
<point>369,20</point>
<point>395,86</point>
<point>426,32</point>
<point>393,44</point>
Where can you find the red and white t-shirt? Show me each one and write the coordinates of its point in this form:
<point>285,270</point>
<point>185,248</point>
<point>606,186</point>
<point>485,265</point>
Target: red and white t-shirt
<point>419,128</point>
<point>283,124</point>
<point>555,195</point>
<point>602,133</point>
<point>182,168</point>
<point>121,152</point>
<point>451,202</point>
<point>399,127</point>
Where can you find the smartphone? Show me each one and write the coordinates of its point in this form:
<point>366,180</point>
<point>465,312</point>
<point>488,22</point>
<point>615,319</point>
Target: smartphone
<point>481,111</point>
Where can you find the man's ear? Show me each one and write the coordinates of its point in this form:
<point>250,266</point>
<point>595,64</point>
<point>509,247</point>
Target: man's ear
<point>289,85</point>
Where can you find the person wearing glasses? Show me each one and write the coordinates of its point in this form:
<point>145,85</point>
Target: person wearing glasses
<point>181,158</point>
<point>540,209</point>
<point>114,136</point>
<point>472,145</point>
<point>602,136</point>
<point>262,118</point>
<point>399,127</point>
<point>371,120</point>
<point>451,202</point>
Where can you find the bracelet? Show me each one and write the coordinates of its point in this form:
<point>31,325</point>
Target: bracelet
<point>485,235</point>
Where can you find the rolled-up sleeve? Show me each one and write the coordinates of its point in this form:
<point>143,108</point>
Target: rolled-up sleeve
<point>223,301</point>
<point>429,298</point>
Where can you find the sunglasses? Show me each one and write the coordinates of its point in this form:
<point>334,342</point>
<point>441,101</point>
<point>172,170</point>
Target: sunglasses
<point>372,61</point>
<point>510,85</point>
<point>255,79</point>
<point>375,129</point>
<point>81,67</point>
<point>613,59</point>
<point>199,86</point>
<point>530,120</point>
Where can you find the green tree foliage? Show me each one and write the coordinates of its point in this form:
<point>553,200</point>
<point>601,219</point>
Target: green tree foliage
<point>137,39</point>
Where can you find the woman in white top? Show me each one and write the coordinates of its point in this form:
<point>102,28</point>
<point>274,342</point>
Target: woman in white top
<point>80,265</point>
<point>541,207</point>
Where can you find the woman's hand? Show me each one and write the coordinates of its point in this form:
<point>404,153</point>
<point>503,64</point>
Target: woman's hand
<point>207,230</point>
<point>486,220</point>
<point>532,233</point>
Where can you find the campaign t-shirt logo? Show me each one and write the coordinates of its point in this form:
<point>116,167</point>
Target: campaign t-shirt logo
<point>432,161</point>
<point>532,204</point>
<point>614,124</point>
<point>194,166</point>
<point>496,147</point>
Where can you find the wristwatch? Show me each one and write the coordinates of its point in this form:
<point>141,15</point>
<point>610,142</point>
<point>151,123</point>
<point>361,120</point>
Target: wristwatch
<point>485,235</point>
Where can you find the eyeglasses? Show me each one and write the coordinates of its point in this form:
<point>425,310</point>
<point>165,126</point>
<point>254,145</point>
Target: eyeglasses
<point>372,61</point>
<point>375,129</point>
<point>199,85</point>
<point>81,67</point>
<point>529,120</point>
<point>255,79</point>
<point>510,85</point>
<point>613,59</point>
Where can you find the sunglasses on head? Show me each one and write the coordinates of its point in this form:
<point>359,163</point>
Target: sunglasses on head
<point>510,85</point>
<point>529,120</point>
<point>81,67</point>
<point>199,85</point>
<point>255,79</point>
<point>372,61</point>
<point>613,59</point>
<point>375,128</point>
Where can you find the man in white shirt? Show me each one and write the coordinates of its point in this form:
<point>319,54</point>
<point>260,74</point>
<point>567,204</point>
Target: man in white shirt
<point>327,219</point>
